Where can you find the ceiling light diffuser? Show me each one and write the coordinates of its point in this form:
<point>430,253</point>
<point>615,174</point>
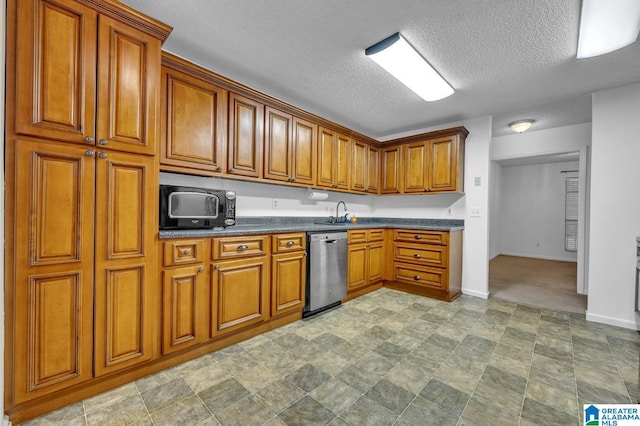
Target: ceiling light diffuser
<point>521,125</point>
<point>607,25</point>
<point>402,61</point>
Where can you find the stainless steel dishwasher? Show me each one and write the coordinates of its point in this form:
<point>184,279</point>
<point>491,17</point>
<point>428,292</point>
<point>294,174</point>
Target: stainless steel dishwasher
<point>327,271</point>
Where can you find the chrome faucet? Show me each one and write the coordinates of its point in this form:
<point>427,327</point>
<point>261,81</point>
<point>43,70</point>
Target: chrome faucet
<point>337,207</point>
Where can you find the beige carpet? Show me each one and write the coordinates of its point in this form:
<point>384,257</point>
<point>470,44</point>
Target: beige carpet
<point>542,283</point>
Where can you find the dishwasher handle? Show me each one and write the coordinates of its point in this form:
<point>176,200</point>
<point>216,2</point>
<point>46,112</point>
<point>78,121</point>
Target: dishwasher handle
<point>330,241</point>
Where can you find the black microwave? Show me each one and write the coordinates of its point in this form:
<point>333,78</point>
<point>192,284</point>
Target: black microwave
<point>183,207</point>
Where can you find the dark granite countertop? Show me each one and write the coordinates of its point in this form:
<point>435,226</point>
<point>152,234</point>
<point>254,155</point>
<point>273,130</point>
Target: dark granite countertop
<point>278,224</point>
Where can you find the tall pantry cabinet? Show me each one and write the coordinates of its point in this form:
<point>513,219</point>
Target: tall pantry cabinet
<point>81,205</point>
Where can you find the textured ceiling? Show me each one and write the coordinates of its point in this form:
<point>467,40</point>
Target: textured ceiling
<point>509,58</point>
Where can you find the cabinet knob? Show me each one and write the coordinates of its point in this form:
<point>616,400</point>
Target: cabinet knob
<point>90,153</point>
<point>290,243</point>
<point>417,237</point>
<point>219,169</point>
<point>416,277</point>
<point>201,269</point>
<point>243,247</point>
<point>417,256</point>
<point>217,267</point>
<point>103,142</point>
<point>88,139</point>
<point>186,252</point>
<point>102,155</point>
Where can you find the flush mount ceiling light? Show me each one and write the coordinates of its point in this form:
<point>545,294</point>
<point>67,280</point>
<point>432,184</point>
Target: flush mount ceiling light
<point>521,125</point>
<point>607,25</point>
<point>402,61</point>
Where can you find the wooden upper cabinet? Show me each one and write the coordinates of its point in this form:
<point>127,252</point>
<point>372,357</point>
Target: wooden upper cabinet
<point>278,145</point>
<point>373,170</point>
<point>73,89</point>
<point>194,123</point>
<point>391,175</point>
<point>334,159</point>
<point>415,166</point>
<point>126,287</point>
<point>304,152</point>
<point>359,166</point>
<point>53,288</point>
<point>246,126</point>
<point>56,70</point>
<point>445,164</point>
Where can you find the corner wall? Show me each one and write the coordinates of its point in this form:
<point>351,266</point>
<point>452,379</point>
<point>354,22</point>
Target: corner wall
<point>615,206</point>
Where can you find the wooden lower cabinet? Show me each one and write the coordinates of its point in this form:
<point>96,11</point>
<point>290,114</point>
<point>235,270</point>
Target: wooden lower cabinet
<point>428,263</point>
<point>239,294</point>
<point>366,258</point>
<point>288,278</point>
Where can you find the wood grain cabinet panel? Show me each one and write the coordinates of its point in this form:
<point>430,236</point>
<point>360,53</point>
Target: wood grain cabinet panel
<point>373,170</point>
<point>288,278</point>
<point>304,152</point>
<point>366,252</point>
<point>183,307</point>
<point>325,157</point>
<point>246,127</point>
<point>56,63</point>
<point>359,167</point>
<point>194,123</point>
<point>391,175</point>
<point>334,159</point>
<point>54,269</point>
<point>239,294</point>
<point>446,164</point>
<point>415,167</point>
<point>278,145</point>
<point>357,262</point>
<point>126,293</point>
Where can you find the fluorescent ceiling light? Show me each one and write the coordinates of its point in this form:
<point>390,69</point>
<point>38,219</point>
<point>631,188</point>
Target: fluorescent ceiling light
<point>607,25</point>
<point>401,60</point>
<point>521,125</point>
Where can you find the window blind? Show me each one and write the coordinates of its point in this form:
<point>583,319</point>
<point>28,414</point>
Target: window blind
<point>571,214</point>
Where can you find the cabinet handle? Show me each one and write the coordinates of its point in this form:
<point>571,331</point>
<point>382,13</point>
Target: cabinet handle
<point>186,252</point>
<point>243,247</point>
<point>290,243</point>
<point>102,155</point>
<point>416,277</point>
<point>90,153</point>
<point>88,139</point>
<point>201,269</point>
<point>305,254</point>
<point>217,267</point>
<point>417,256</point>
<point>417,237</point>
<point>219,169</point>
<point>103,142</point>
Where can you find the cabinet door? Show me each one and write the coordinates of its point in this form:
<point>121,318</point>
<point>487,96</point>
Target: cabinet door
<point>415,167</point>
<point>194,123</point>
<point>246,126</point>
<point>391,181</point>
<point>56,70</point>
<point>128,111</point>
<point>304,151</point>
<point>126,300</point>
<point>375,262</point>
<point>288,273</point>
<point>239,294</point>
<point>53,289</point>
<point>325,157</point>
<point>359,168</point>
<point>357,266</point>
<point>342,161</point>
<point>278,145</point>
<point>373,170</point>
<point>183,317</point>
<point>443,164</point>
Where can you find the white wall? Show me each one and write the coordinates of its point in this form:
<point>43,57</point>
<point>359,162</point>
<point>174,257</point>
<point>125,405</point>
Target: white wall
<point>615,206</point>
<point>532,210</point>
<point>495,216</point>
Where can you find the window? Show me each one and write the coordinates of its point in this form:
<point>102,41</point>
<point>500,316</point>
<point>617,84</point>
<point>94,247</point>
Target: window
<point>571,214</point>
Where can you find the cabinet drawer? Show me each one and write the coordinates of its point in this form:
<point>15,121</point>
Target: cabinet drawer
<point>428,237</point>
<point>183,252</point>
<point>421,275</point>
<point>376,235</point>
<point>357,236</point>
<point>285,243</point>
<point>239,247</point>
<point>423,254</point>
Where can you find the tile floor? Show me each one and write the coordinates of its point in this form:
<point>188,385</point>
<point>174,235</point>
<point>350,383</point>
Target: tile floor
<point>389,358</point>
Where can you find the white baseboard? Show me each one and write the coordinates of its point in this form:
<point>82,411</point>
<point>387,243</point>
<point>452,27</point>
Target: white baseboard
<point>540,256</point>
<point>475,293</point>
<point>6,421</point>
<point>618,322</point>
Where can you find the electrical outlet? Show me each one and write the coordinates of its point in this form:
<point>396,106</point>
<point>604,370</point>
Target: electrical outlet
<point>477,181</point>
<point>274,204</point>
<point>449,211</point>
<point>475,212</point>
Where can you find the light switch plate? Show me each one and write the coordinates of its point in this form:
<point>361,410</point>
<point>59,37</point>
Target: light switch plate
<point>477,181</point>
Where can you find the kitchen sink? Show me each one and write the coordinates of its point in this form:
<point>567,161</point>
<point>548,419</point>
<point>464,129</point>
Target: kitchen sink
<point>326,222</point>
